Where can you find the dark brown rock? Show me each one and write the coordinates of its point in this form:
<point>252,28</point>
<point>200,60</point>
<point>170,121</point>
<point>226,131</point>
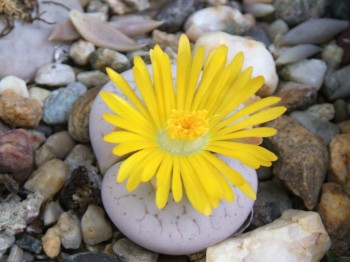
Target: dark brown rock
<point>302,159</point>
<point>16,154</point>
<point>78,122</point>
<point>334,208</point>
<point>296,96</point>
<point>343,42</point>
<point>18,111</point>
<point>339,160</point>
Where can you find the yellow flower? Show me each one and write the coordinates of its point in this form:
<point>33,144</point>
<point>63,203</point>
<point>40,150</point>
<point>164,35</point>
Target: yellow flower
<point>169,131</point>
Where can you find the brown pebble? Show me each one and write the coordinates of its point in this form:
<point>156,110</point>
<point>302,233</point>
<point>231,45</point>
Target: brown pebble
<point>51,242</point>
<point>16,154</point>
<point>18,111</point>
<point>344,43</point>
<point>344,127</point>
<point>78,123</point>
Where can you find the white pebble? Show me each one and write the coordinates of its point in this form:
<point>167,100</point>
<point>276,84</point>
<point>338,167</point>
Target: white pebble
<point>80,52</point>
<point>16,254</point>
<point>68,226</point>
<point>55,75</point>
<point>15,84</point>
<point>95,226</point>
<point>52,212</point>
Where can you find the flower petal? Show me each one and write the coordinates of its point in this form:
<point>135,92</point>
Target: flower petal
<point>176,185</point>
<point>163,181</point>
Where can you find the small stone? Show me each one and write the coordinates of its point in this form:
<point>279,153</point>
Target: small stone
<point>19,111</point>
<point>341,110</point>
<point>15,84</point>
<point>339,160</point>
<point>296,236</point>
<point>52,212</point>
<point>92,257</point>
<point>323,111</point>
<point>55,75</point>
<point>60,102</point>
<point>303,159</point>
<point>258,33</point>
<point>344,127</point>
<point>82,189</point>
<point>94,78</point>
<point>308,71</point>
<point>334,208</point>
<point>175,13</point>
<point>80,52</point>
<point>57,146</point>
<point>95,226</point>
<point>68,226</point>
<point>16,154</point>
<point>78,122</point>
<point>217,18</point>
<point>8,188</point>
<point>6,242</point>
<point>35,227</point>
<point>39,93</point>
<point>277,28</point>
<point>51,242</point>
<point>296,95</point>
<point>15,255</point>
<point>271,201</point>
<point>332,54</point>
<point>128,251</point>
<point>61,53</point>
<point>15,215</point>
<point>104,57</point>
<point>337,84</point>
<point>48,179</point>
<point>80,155</point>
<point>37,138</point>
<point>121,7</point>
<point>317,126</point>
<point>29,243</point>
<point>296,11</point>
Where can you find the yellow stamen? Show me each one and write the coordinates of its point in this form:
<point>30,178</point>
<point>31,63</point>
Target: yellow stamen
<point>184,125</point>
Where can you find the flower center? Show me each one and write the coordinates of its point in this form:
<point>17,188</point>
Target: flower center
<point>183,125</point>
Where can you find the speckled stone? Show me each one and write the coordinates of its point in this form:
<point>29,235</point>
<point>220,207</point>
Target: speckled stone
<point>29,243</point>
<point>337,83</point>
<point>80,52</point>
<point>93,78</point>
<point>92,257</point>
<point>55,75</point>
<point>323,111</point>
<point>104,57</point>
<point>80,155</point>
<point>128,251</point>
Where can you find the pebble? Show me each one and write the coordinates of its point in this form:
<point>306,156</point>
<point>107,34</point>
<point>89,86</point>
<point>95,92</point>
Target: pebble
<point>259,10</point>
<point>16,154</point>
<point>51,242</point>
<point>255,54</point>
<point>309,33</point>
<point>332,54</point>
<point>39,93</point>
<point>340,9</point>
<point>339,159</point>
<point>296,53</point>
<point>55,74</point>
<point>16,214</point>
<point>334,208</point>
<point>60,102</point>
<point>80,52</point>
<point>341,110</point>
<point>322,128</point>
<point>302,162</point>
<point>8,188</point>
<point>91,257</point>
<point>32,49</point>
<point>175,13</point>
<point>121,7</point>
<point>337,84</point>
<point>343,42</point>
<point>217,18</point>
<point>57,146</point>
<point>82,189</point>
<point>344,127</point>
<point>78,121</point>
<point>277,29</point>
<point>48,179</point>
<point>14,83</point>
<point>35,227</point>
<point>16,254</point>
<point>271,201</point>
<point>97,6</point>
<point>94,225</point>
<point>80,155</point>
<point>323,111</point>
<point>29,243</point>
<point>18,111</point>
<point>68,226</point>
<point>93,78</point>
<point>6,242</point>
<point>308,71</point>
<point>296,236</point>
<point>104,57</point>
<point>61,53</point>
<point>51,213</point>
<point>258,33</point>
<point>128,251</point>
<point>296,11</point>
<point>295,95</point>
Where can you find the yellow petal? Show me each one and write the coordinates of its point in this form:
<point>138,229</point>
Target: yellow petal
<point>163,181</point>
<point>150,169</point>
<point>124,136</point>
<point>126,148</point>
<point>254,132</point>
<point>176,185</point>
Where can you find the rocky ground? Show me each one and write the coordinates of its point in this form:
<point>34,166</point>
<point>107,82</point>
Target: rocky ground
<point>53,65</point>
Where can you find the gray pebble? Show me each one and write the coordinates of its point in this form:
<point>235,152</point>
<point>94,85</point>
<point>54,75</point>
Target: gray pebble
<point>341,110</point>
<point>337,84</point>
<point>68,226</point>
<point>277,28</point>
<point>332,54</point>
<point>80,155</point>
<point>15,255</point>
<point>52,212</point>
<point>92,257</point>
<point>104,57</point>
<point>55,75</point>
<point>323,111</point>
<point>6,241</point>
<point>258,33</point>
<point>29,243</point>
<point>93,78</point>
<point>61,53</point>
<point>59,103</point>
<point>317,126</point>
<point>128,251</point>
